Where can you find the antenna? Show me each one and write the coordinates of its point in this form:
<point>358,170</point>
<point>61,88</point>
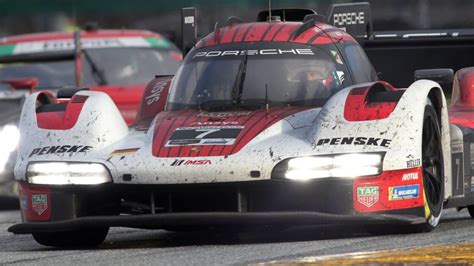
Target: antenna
<point>266,97</point>
<point>77,57</point>
<point>269,10</point>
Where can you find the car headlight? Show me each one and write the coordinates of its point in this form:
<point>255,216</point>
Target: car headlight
<point>66,173</point>
<point>339,165</point>
<point>9,139</point>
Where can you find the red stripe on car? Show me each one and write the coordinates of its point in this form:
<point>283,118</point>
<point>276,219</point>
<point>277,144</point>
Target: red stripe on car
<point>286,32</point>
<point>253,123</point>
<point>357,108</point>
<point>62,120</point>
<point>239,36</point>
<point>256,33</point>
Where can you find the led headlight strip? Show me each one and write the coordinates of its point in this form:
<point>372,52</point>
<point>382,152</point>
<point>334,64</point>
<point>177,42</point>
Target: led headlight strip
<point>340,165</point>
<point>67,173</point>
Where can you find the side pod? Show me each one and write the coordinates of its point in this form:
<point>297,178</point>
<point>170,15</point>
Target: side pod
<point>53,130</point>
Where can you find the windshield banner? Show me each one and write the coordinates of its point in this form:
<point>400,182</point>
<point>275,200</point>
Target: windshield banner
<point>86,43</point>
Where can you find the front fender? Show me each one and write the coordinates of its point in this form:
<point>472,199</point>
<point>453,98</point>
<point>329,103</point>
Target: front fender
<point>399,135</point>
<point>98,125</point>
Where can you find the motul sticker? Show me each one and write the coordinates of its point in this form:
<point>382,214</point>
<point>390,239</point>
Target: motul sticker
<point>410,176</point>
<point>368,196</point>
<point>39,203</point>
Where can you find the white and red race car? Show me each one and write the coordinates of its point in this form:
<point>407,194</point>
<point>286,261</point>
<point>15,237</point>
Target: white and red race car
<point>270,123</point>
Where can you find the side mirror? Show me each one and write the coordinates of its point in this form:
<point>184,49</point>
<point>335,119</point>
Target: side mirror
<point>444,76</point>
<point>441,75</point>
<point>22,84</point>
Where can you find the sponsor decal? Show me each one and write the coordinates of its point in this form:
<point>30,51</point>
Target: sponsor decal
<point>204,136</point>
<point>410,176</point>
<point>86,43</point>
<point>59,149</point>
<point>124,151</point>
<point>190,162</point>
<point>351,18</point>
<point>403,192</point>
<point>355,141</point>
<point>340,76</point>
<point>23,202</point>
<point>189,20</point>
<point>223,114</point>
<point>215,123</point>
<point>155,92</point>
<point>254,52</point>
<point>337,57</point>
<point>413,163</point>
<point>39,203</point>
<point>368,196</point>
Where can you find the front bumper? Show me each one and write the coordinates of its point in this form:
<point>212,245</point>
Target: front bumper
<point>240,204</point>
<point>211,219</point>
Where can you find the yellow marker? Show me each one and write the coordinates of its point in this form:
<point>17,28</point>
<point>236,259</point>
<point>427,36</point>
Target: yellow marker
<point>445,254</point>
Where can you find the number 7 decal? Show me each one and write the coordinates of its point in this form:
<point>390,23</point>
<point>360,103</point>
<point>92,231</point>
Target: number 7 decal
<point>206,131</point>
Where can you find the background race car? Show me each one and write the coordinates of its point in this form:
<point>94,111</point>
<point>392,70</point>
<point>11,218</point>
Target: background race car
<point>117,62</point>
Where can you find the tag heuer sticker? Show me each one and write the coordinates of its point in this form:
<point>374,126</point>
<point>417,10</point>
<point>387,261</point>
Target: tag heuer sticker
<point>39,203</point>
<point>368,196</point>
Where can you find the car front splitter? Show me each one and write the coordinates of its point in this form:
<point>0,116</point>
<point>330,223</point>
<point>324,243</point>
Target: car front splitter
<point>211,219</point>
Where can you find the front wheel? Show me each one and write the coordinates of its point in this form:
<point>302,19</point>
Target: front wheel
<point>433,170</point>
<point>68,239</point>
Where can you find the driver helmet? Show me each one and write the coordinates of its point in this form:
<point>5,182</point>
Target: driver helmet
<point>312,71</point>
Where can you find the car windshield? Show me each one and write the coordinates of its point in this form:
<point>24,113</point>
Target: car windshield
<point>256,75</point>
<point>101,66</point>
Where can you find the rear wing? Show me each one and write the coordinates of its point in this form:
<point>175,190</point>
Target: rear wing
<point>395,55</point>
<point>354,18</point>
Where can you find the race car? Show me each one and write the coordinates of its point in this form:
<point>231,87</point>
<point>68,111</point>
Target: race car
<point>272,123</point>
<point>117,62</point>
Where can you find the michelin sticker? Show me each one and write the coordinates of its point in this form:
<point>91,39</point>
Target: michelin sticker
<point>403,192</point>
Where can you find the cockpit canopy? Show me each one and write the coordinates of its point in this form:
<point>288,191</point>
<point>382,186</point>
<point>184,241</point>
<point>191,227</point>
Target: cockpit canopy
<point>245,75</point>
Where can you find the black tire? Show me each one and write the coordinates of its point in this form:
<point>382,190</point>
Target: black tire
<point>470,209</point>
<point>433,181</point>
<point>72,239</point>
<point>433,170</point>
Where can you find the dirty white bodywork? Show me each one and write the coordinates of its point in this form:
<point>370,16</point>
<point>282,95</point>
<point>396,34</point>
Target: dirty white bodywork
<point>101,126</point>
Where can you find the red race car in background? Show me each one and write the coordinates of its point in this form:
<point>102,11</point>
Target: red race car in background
<point>117,62</point>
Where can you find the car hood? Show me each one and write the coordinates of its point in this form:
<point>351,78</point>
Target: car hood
<point>193,133</point>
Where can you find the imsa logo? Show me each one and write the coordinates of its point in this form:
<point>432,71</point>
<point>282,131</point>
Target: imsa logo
<point>368,196</point>
<point>191,162</point>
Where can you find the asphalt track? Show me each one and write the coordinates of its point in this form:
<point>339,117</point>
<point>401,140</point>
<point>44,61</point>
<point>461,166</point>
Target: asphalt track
<point>143,247</point>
